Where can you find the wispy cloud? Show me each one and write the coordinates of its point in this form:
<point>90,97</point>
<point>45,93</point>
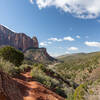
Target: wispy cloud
<point>45,43</point>
<point>69,38</point>
<point>86,9</point>
<point>78,37</point>
<point>72,49</point>
<point>55,39</point>
<point>67,52</point>
<point>92,44</point>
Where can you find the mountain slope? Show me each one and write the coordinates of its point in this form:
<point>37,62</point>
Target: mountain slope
<point>39,55</point>
<point>81,63</point>
<point>83,69</point>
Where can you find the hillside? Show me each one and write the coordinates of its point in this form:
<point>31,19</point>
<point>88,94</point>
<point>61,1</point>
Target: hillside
<point>83,69</point>
<point>79,62</point>
<point>24,88</point>
<point>75,77</point>
<point>33,90</point>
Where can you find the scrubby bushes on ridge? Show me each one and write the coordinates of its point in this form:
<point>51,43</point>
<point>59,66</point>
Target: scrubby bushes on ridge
<point>8,67</point>
<point>42,75</point>
<point>12,55</point>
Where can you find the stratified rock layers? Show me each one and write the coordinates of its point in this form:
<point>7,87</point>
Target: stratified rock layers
<point>18,40</point>
<point>40,55</point>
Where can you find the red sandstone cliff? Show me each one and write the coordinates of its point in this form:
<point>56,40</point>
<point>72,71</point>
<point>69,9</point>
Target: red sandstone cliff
<point>17,40</point>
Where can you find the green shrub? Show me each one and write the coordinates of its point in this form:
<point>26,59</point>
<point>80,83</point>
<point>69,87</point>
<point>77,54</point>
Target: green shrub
<point>70,97</point>
<point>15,71</point>
<point>39,74</point>
<point>8,67</point>
<point>25,67</point>
<point>11,69</point>
<point>12,55</point>
<point>91,92</point>
<point>80,92</point>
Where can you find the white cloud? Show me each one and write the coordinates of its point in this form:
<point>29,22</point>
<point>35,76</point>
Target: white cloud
<point>45,43</point>
<point>92,44</point>
<point>67,52</point>
<point>86,9</point>
<point>49,42</point>
<point>55,39</point>
<point>73,49</point>
<point>78,37</point>
<point>31,1</point>
<point>68,38</point>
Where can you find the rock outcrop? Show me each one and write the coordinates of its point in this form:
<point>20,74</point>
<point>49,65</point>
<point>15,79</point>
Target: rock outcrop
<point>39,55</point>
<point>35,43</point>
<point>18,40</point>
<point>8,88</point>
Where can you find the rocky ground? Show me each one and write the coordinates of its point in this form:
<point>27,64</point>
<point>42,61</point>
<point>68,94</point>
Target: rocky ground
<point>24,88</point>
<point>33,90</point>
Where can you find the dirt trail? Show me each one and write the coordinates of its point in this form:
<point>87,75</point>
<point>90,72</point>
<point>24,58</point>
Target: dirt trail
<point>32,90</point>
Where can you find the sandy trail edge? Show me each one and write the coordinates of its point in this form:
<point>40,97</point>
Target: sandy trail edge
<point>32,90</point>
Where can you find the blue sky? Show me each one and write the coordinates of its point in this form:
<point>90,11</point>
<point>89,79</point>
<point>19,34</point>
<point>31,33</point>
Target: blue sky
<point>62,26</point>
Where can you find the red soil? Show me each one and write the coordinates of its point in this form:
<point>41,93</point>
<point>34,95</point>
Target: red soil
<point>32,90</point>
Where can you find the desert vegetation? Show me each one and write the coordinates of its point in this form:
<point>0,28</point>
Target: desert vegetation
<point>82,69</point>
<point>78,65</point>
<point>71,78</point>
<point>12,55</point>
<point>50,80</point>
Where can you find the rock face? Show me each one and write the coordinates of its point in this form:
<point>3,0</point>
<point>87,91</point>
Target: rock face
<point>35,43</point>
<point>8,88</point>
<point>39,55</point>
<point>18,40</point>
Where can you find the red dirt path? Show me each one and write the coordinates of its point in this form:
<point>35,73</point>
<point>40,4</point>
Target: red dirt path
<point>32,90</point>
